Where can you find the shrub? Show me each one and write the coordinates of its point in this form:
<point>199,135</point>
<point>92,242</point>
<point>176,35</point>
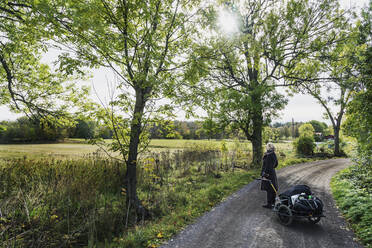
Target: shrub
<point>304,145</point>
<point>306,130</point>
<point>355,203</point>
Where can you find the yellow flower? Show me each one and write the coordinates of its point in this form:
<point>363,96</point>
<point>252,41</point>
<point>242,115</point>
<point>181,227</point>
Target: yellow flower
<point>53,217</point>
<point>160,235</point>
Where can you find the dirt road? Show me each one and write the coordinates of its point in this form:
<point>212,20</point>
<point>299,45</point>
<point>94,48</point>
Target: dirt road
<point>240,221</point>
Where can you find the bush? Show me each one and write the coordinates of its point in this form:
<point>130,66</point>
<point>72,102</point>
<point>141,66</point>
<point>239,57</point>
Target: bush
<point>306,130</point>
<point>355,203</point>
<point>304,145</point>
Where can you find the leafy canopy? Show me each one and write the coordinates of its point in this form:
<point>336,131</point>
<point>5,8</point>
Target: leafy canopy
<point>26,84</point>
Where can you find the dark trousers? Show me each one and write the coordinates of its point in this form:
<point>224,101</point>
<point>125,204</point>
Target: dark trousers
<point>270,196</point>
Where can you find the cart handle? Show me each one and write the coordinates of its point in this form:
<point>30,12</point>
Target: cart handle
<point>271,183</point>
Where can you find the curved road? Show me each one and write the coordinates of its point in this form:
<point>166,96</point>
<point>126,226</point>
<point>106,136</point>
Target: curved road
<point>240,221</point>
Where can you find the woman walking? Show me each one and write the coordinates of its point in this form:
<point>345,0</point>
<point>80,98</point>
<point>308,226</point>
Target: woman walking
<point>270,162</point>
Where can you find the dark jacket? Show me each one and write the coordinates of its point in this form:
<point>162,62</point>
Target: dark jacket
<point>269,163</point>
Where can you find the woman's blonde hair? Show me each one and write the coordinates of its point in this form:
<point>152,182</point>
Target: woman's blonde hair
<point>270,147</point>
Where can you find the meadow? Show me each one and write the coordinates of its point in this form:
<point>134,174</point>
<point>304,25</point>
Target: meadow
<point>75,148</point>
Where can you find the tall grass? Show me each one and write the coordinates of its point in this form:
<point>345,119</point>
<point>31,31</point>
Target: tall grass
<point>51,202</point>
<point>63,202</point>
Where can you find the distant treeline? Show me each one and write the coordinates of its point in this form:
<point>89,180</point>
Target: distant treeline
<point>25,130</point>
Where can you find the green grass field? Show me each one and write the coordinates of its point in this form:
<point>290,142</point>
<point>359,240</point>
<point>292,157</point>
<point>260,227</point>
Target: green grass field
<point>77,148</point>
<point>60,150</point>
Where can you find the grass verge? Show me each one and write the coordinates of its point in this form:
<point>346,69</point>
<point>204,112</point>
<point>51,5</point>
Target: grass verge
<point>188,200</point>
<point>355,204</point>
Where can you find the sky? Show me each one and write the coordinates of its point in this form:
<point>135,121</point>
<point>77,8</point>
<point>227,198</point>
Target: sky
<point>301,108</point>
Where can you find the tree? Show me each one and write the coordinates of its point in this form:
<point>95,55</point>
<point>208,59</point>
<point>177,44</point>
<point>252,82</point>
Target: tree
<point>287,133</point>
<point>2,129</point>
<point>359,112</point>
<point>318,126</point>
<point>25,129</point>
<point>276,45</point>
<point>358,121</point>
<point>270,134</point>
<point>85,129</point>
<point>164,130</point>
<point>143,43</point>
<point>210,128</point>
<point>306,130</point>
<point>26,84</point>
<point>337,91</point>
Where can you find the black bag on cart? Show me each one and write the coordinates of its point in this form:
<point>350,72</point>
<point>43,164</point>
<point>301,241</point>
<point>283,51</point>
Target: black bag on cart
<point>298,202</point>
<point>308,204</point>
<point>300,198</point>
<point>297,189</point>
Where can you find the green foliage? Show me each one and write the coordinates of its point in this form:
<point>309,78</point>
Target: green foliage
<point>304,145</point>
<point>26,130</point>
<point>355,203</point>
<point>210,127</point>
<point>55,202</point>
<point>306,130</point>
<point>164,129</point>
<point>84,129</point>
<point>146,41</point>
<point>2,129</point>
<point>318,126</point>
<point>361,173</point>
<point>270,134</point>
<point>237,73</point>
<point>26,84</point>
<point>338,68</point>
<point>359,113</point>
<point>288,129</point>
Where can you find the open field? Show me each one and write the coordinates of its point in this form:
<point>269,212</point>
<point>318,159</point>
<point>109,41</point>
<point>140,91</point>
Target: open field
<point>59,150</point>
<point>75,149</point>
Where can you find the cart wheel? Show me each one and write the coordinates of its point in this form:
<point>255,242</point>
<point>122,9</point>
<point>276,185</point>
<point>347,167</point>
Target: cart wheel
<point>285,215</point>
<point>277,205</point>
<point>314,220</point>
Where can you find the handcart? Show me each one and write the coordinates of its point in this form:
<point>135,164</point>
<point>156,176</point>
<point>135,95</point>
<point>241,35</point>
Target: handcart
<point>297,202</point>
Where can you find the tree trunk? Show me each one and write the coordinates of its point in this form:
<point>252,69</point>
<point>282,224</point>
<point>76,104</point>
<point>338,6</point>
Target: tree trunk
<point>337,141</point>
<point>257,118</point>
<point>131,173</point>
<point>257,138</point>
<point>257,123</point>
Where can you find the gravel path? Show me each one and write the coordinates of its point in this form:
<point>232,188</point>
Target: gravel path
<point>240,221</point>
